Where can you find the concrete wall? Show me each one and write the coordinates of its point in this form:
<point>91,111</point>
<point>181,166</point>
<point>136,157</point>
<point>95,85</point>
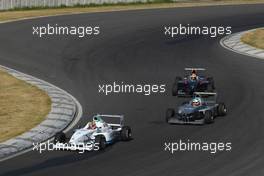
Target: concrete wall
<point>10,4</point>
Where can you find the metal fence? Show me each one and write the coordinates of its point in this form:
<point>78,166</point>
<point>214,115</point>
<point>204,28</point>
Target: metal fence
<point>11,4</point>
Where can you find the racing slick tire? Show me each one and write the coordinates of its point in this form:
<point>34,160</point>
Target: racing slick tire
<point>211,85</point>
<point>184,103</point>
<point>177,79</point>
<point>175,87</point>
<point>208,117</point>
<point>169,114</point>
<point>60,137</point>
<point>100,141</point>
<point>221,109</point>
<point>126,133</point>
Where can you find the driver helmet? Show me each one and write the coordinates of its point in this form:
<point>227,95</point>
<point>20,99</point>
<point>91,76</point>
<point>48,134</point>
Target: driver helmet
<point>98,121</point>
<point>193,75</point>
<point>196,102</point>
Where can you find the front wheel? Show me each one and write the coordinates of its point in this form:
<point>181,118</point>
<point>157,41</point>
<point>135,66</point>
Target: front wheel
<point>60,137</point>
<point>208,117</point>
<point>100,141</point>
<point>169,114</point>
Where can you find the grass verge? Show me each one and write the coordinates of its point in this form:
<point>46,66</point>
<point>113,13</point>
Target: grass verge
<point>23,106</point>
<point>254,38</point>
<point>22,13</point>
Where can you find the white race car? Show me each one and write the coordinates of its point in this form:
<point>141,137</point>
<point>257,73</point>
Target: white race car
<point>96,134</point>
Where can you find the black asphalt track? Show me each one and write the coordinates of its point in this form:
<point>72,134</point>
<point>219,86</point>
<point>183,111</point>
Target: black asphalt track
<point>132,48</point>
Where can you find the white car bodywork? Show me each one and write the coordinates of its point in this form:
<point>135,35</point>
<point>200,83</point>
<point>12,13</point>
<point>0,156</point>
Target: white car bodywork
<point>109,130</point>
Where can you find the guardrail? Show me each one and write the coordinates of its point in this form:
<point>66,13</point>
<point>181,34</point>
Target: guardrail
<point>11,4</point>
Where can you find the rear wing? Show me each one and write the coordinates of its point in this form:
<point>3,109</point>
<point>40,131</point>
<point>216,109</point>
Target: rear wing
<point>205,93</point>
<point>208,97</point>
<point>197,69</point>
<point>119,118</point>
<point>193,70</point>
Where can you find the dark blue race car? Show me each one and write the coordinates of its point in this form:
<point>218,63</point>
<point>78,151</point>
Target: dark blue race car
<point>201,109</point>
<point>191,83</point>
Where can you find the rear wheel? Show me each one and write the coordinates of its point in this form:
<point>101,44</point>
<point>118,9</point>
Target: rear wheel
<point>221,110</point>
<point>100,141</point>
<point>60,137</point>
<point>126,133</point>
<point>175,87</point>
<point>211,85</point>
<point>169,114</point>
<point>177,79</point>
<point>208,117</point>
